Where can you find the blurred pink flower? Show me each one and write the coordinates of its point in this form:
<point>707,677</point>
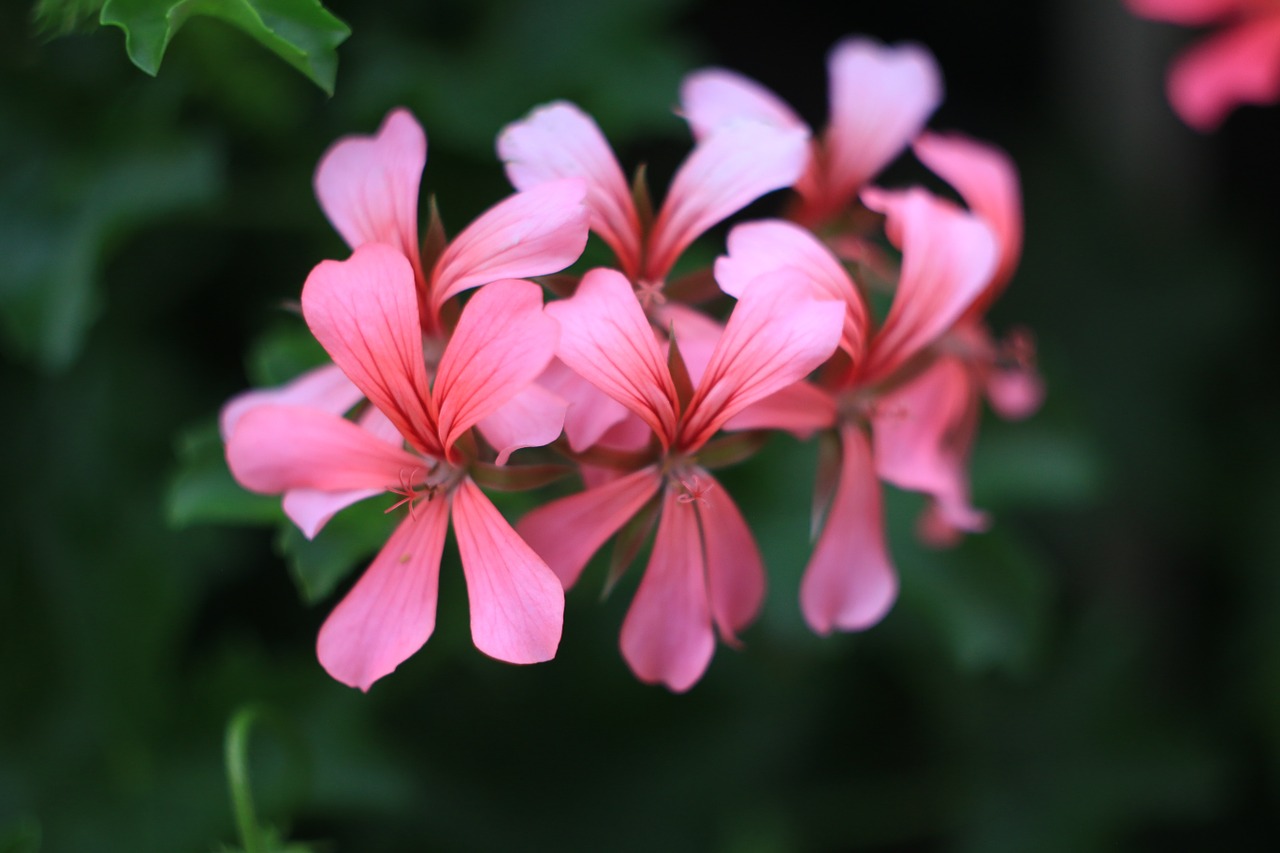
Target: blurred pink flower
<point>364,312</point>
<point>705,568</point>
<point>1240,64</point>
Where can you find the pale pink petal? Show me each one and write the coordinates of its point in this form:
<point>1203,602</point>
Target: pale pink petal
<point>539,231</point>
<point>850,583</point>
<point>666,636</point>
<point>325,388</point>
<point>800,409</point>
<point>777,334</point>
<point>591,412</point>
<point>606,338</point>
<point>368,185</point>
<point>1190,12</point>
<point>714,97</point>
<point>532,418</point>
<point>881,97</point>
<point>311,509</point>
<point>923,433</point>
<point>568,531</point>
<point>987,180</point>
<point>517,603</point>
<point>561,141</point>
<point>735,572</point>
<point>277,448</point>
<point>1015,392</point>
<point>391,611</point>
<point>727,171</point>
<point>364,312</point>
<point>933,529</point>
<point>1240,65</point>
<point>757,248</point>
<point>948,257</point>
<point>502,342</point>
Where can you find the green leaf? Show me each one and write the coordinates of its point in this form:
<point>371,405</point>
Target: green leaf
<point>301,32</point>
<point>204,492</point>
<point>350,537</point>
<point>21,836</point>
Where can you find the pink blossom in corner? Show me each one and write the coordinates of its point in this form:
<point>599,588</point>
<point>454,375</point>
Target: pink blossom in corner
<point>880,98</point>
<point>705,573</point>
<point>885,429</point>
<point>364,312</point>
<point>1239,64</point>
<point>726,171</point>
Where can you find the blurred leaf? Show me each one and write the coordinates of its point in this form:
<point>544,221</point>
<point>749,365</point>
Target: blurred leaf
<point>989,599</point>
<point>204,492</point>
<point>21,836</point>
<point>351,536</point>
<point>59,17</point>
<point>54,245</point>
<point>301,32</point>
<point>1035,464</point>
<point>283,353</point>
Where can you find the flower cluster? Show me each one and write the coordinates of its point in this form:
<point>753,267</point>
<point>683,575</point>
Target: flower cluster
<point>630,381</point>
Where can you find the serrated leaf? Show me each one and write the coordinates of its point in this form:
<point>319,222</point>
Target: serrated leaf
<point>203,490</point>
<point>301,32</point>
<point>347,541</point>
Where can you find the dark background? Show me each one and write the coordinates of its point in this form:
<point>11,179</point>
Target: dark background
<point>1099,672</point>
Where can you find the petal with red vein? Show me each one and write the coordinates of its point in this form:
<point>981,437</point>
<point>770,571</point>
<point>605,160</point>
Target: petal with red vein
<point>567,532</point>
<point>606,338</point>
<point>517,603</point>
<point>800,409</point>
<point>666,636</point>
<point>532,418</point>
<point>540,231</point>
<point>850,583</point>
<point>559,141</point>
<point>735,572</point>
<point>364,312</point>
<point>503,341</point>
<point>277,448</point>
<point>368,185</point>
<point>391,610</point>
<point>325,388</point>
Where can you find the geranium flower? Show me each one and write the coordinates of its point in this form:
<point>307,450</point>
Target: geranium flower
<point>364,311</point>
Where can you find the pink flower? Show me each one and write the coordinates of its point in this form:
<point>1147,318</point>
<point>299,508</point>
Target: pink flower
<point>888,428</point>
<point>1238,65</point>
<point>705,568</point>
<point>364,311</point>
<point>725,172</point>
<point>368,187</point>
<point>880,99</point>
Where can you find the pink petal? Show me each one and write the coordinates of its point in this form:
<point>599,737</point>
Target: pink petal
<point>948,256</point>
<point>881,97</point>
<point>696,335</point>
<point>606,338</point>
<point>850,583</point>
<point>561,141</point>
<point>1189,12</point>
<point>517,604</point>
<point>532,418</point>
<point>666,636</point>
<point>1240,65</point>
<point>1015,392</point>
<point>800,409</point>
<point>923,434</point>
<point>713,98</point>
<point>727,171</point>
<point>368,185</point>
<point>364,312</point>
<point>502,342</point>
<point>735,572</point>
<point>391,611</point>
<point>777,334</point>
<point>325,388</point>
<point>987,180</point>
<point>277,448</point>
<point>591,412</point>
<point>540,231</point>
<point>567,532</point>
<point>758,248</point>
<point>311,509</point>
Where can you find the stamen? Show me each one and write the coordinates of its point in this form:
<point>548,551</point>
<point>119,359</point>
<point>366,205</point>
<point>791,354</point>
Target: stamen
<point>407,489</point>
<point>695,491</point>
<point>650,293</point>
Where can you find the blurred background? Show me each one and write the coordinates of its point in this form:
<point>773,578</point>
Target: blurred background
<point>1099,672</point>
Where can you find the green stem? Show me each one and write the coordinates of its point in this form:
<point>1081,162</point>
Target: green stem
<point>237,757</point>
